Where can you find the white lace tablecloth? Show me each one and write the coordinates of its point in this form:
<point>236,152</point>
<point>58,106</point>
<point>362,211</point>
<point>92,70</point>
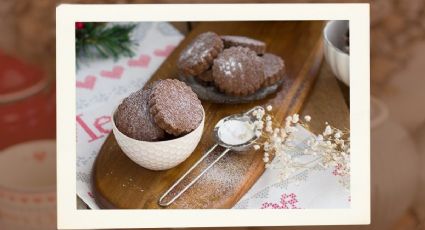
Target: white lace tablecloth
<point>101,84</point>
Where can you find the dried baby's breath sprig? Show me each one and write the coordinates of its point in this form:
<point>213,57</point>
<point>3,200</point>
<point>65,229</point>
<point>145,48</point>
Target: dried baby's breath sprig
<point>331,148</point>
<point>269,108</point>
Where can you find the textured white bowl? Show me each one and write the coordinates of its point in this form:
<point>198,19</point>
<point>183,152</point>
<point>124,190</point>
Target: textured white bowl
<point>339,61</point>
<point>159,155</point>
<point>28,186</point>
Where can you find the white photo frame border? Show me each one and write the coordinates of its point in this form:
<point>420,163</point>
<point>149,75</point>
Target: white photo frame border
<point>69,217</point>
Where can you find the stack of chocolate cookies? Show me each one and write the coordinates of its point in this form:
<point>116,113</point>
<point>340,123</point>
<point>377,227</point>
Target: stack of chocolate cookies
<point>163,110</point>
<point>235,65</point>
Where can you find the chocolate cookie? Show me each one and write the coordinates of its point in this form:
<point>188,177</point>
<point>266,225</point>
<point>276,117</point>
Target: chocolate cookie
<point>238,71</point>
<point>175,107</point>
<point>258,46</point>
<point>206,76</point>
<point>274,68</point>
<point>198,56</point>
<point>133,117</point>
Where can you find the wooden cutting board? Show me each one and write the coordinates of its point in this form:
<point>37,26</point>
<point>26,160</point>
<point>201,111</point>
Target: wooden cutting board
<point>121,183</point>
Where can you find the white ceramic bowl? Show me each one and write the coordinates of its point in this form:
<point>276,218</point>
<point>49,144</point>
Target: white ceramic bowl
<point>28,185</point>
<point>159,155</point>
<point>338,60</point>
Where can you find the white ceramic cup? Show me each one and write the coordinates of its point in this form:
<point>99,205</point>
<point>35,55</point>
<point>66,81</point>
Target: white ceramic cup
<point>339,61</point>
<point>394,167</point>
<point>28,186</point>
<point>159,155</point>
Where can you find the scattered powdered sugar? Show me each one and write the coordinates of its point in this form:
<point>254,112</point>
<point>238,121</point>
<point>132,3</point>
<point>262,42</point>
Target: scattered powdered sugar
<point>236,132</point>
<point>219,184</point>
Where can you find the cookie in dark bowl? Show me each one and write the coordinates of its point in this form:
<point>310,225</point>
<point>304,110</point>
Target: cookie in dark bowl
<point>238,71</point>
<point>230,41</point>
<point>198,56</point>
<point>274,68</point>
<point>206,76</point>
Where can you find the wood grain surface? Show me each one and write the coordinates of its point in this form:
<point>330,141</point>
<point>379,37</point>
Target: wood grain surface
<point>120,183</point>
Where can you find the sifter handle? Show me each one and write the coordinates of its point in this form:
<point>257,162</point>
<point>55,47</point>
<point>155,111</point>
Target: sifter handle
<point>160,201</point>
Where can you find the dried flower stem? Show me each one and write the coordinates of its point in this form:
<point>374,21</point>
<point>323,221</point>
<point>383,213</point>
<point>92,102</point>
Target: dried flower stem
<point>331,148</point>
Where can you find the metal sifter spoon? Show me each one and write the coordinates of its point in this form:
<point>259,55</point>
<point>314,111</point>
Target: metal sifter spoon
<point>247,117</point>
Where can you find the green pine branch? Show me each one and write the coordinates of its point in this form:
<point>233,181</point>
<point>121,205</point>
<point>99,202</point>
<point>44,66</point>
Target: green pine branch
<point>96,40</point>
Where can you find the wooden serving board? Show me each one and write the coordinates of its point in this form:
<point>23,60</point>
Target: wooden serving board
<point>121,183</point>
